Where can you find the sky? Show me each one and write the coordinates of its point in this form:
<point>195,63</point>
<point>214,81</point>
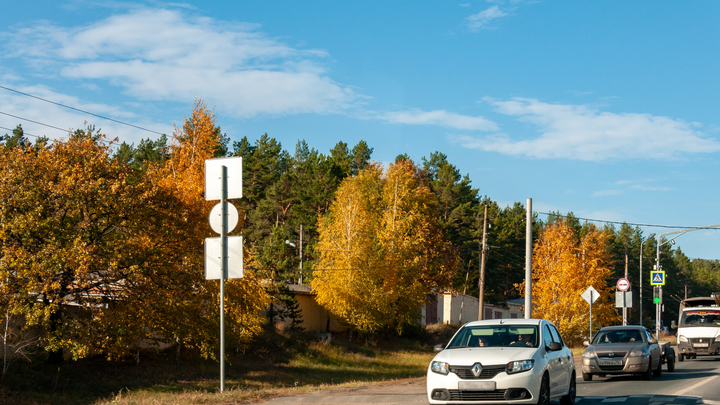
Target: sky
<point>608,110</point>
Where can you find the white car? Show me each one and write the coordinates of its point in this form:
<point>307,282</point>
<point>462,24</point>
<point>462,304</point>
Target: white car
<point>508,361</point>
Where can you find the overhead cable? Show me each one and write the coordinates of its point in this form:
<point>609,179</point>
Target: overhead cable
<point>82,111</point>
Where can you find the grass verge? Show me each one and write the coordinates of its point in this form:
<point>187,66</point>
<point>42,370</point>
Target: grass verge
<point>278,364</point>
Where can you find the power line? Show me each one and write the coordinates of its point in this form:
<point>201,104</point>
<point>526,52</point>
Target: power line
<point>621,223</point>
<point>24,133</point>
<point>34,122</point>
<point>79,110</point>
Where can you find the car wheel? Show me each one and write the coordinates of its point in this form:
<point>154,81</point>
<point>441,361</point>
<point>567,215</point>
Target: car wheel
<point>658,373</point>
<point>586,376</point>
<point>569,399</point>
<point>544,395</point>
<point>681,357</point>
<point>648,375</point>
<point>671,363</point>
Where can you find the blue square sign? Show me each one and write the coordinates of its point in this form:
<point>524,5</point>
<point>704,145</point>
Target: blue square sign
<point>657,277</point>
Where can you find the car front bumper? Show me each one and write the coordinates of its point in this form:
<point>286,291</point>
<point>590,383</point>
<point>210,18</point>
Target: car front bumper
<point>629,365</point>
<point>518,388</point>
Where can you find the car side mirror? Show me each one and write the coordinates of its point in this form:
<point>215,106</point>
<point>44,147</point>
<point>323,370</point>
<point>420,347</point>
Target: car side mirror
<point>586,343</point>
<point>554,346</point>
<point>653,341</point>
<point>438,348</point>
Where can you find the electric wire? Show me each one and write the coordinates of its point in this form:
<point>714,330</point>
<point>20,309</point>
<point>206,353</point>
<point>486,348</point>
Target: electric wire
<point>623,222</point>
<point>35,122</point>
<point>79,110</point>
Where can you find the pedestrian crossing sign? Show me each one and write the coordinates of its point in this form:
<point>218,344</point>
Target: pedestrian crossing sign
<point>657,277</point>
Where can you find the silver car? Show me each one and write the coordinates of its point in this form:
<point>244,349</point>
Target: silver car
<point>622,350</point>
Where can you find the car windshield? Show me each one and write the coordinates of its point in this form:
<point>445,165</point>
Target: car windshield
<point>496,336</point>
<point>613,336</point>
<point>699,317</point>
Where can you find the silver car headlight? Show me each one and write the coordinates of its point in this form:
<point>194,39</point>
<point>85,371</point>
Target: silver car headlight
<point>440,367</point>
<point>637,353</point>
<point>520,366</point>
<point>682,338</point>
<point>589,353</point>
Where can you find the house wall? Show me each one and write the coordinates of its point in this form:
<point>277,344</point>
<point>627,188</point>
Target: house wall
<point>458,309</point>
<point>314,316</point>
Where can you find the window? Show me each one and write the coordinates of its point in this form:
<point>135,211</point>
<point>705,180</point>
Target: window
<point>488,313</point>
<point>498,315</point>
<point>513,315</point>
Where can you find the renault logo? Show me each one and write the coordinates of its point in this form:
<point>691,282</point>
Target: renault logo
<point>611,354</point>
<point>476,370</point>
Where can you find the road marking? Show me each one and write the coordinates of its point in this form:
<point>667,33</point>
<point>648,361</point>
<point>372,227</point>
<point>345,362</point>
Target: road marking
<point>692,387</point>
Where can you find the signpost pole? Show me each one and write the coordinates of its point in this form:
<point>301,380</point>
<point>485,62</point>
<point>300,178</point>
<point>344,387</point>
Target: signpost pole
<point>591,301</point>
<point>223,275</point>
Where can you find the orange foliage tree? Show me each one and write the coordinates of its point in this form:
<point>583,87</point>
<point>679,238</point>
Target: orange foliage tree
<point>381,249</point>
<point>104,261</point>
<point>564,266</point>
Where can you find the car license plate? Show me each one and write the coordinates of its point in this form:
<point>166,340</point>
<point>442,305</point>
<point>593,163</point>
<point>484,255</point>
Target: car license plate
<point>611,362</point>
<point>476,385</point>
<point>700,344</point>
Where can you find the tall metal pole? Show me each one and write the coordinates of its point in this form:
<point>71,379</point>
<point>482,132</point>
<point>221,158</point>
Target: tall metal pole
<point>528,260</point>
<point>641,278</point>
<point>301,257</point>
<point>481,281</point>
<point>223,276</point>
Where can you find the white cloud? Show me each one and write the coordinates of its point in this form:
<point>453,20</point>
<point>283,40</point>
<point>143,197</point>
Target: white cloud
<point>605,193</point>
<point>158,54</point>
<point>482,19</point>
<point>582,133</point>
<point>439,117</point>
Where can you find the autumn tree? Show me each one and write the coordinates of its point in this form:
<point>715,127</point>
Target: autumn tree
<point>563,268</point>
<point>190,315</point>
<point>381,249</point>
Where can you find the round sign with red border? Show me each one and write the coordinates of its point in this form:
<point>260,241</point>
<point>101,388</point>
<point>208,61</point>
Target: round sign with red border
<point>623,284</point>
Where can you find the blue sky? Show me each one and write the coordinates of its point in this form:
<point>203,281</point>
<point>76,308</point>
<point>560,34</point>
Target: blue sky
<point>605,109</point>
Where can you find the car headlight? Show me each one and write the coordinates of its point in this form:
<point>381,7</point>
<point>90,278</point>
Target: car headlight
<point>589,353</point>
<point>637,353</point>
<point>520,366</point>
<point>439,367</point>
<point>682,338</point>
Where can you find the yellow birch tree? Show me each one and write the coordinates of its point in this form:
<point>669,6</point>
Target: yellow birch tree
<point>381,249</point>
<point>563,268</point>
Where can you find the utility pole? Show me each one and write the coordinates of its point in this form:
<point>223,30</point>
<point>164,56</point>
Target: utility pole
<point>481,281</point>
<point>528,260</point>
<point>301,258</point>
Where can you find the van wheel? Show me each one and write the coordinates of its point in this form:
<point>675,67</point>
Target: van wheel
<point>671,363</point>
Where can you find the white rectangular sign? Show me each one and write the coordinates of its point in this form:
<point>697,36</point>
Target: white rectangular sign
<point>213,179</point>
<point>213,257</point>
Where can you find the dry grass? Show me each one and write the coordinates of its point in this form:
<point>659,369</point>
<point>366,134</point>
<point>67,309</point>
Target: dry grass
<point>277,365</point>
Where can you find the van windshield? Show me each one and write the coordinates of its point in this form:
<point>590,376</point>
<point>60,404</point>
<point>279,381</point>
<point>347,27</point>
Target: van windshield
<point>700,317</point>
<point>496,336</point>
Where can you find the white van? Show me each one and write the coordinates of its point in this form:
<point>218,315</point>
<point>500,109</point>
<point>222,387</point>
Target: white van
<point>699,327</point>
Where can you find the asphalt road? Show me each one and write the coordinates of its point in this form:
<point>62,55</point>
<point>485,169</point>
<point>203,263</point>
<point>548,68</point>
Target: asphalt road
<point>693,382</point>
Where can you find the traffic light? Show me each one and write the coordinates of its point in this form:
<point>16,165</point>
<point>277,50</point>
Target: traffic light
<point>657,297</point>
